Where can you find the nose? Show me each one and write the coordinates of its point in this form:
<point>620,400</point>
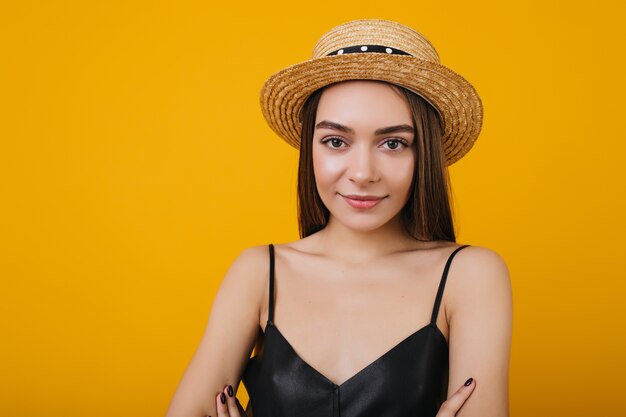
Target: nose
<point>362,167</point>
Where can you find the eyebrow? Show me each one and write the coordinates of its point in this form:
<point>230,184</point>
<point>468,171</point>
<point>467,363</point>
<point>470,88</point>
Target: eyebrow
<point>326,124</point>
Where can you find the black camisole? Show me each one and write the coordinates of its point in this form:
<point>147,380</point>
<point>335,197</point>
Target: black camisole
<point>409,380</point>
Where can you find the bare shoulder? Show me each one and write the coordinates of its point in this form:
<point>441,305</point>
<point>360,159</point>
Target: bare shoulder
<point>477,273</point>
<point>480,258</point>
<point>480,263</point>
<point>248,272</point>
<point>252,258</point>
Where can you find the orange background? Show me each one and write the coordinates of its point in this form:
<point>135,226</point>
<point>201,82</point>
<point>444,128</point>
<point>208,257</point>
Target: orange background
<point>135,165</point>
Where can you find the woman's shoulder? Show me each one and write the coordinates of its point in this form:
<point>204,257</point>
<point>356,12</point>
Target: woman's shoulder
<point>478,274</point>
<point>257,258</point>
<point>248,271</point>
<point>479,259</point>
<point>252,258</point>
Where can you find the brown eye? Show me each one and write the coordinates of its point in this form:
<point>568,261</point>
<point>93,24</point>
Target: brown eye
<point>396,144</point>
<point>335,143</point>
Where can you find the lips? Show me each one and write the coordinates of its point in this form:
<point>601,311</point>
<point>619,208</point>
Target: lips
<point>362,197</point>
<point>361,201</point>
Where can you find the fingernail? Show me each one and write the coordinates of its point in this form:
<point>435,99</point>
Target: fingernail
<point>230,391</point>
<point>468,382</point>
<point>223,398</point>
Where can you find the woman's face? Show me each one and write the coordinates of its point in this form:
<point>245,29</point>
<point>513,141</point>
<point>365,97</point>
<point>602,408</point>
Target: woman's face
<point>363,148</point>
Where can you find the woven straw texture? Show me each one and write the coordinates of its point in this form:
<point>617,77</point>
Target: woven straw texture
<point>284,93</point>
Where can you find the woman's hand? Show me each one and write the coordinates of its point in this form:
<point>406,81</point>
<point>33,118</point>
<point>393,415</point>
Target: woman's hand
<point>453,404</point>
<point>228,405</point>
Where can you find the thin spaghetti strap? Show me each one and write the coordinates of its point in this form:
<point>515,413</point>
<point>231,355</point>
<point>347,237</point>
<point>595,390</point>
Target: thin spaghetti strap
<point>270,316</point>
<point>442,284</point>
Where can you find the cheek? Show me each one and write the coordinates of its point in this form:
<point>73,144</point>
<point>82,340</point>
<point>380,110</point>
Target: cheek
<point>405,176</point>
<point>327,170</point>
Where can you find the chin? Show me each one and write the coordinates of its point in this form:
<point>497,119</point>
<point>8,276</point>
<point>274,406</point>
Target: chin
<point>362,222</point>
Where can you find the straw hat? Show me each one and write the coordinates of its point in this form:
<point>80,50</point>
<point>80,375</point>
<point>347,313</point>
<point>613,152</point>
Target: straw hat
<point>376,50</point>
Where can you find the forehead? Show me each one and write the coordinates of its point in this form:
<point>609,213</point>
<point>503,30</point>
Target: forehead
<point>364,104</point>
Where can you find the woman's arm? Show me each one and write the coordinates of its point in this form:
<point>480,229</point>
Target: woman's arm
<point>229,337</point>
<point>480,313</point>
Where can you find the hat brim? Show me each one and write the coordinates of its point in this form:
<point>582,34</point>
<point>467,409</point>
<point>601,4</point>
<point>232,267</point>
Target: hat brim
<point>456,100</point>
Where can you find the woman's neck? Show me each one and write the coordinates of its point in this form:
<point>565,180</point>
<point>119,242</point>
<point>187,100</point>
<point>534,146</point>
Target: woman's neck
<point>341,242</point>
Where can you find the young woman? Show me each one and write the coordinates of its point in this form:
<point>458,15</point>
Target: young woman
<point>352,320</point>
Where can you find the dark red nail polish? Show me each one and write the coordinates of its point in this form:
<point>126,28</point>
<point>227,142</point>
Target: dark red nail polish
<point>223,398</point>
<point>229,390</point>
<point>468,382</point>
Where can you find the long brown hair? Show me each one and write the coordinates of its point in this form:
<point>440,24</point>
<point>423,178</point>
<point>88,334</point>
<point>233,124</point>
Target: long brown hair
<point>427,215</point>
